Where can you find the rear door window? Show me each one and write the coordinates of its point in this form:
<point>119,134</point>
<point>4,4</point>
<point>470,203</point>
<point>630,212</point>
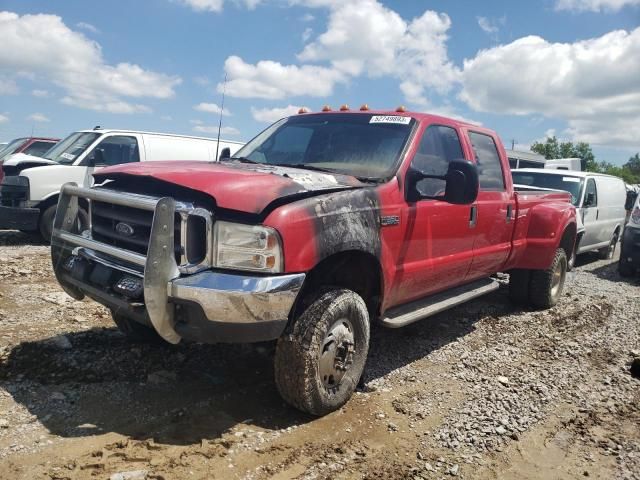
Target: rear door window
<point>115,150</point>
<point>38,149</point>
<point>488,161</point>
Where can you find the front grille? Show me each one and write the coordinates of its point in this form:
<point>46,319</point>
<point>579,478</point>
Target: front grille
<point>129,228</point>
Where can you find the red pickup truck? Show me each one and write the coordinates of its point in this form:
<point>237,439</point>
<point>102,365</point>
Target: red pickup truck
<point>321,225</point>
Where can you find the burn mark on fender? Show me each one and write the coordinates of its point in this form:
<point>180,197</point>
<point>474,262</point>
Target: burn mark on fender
<point>348,220</point>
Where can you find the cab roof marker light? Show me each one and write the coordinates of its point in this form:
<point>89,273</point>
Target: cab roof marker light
<point>326,108</point>
<point>401,109</point>
<point>364,108</point>
<point>344,108</point>
<point>303,110</point>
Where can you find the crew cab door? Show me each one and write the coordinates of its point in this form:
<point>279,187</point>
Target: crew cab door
<point>438,245</point>
<point>495,208</point>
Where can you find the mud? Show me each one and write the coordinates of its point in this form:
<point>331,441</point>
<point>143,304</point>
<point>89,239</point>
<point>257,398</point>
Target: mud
<point>484,391</point>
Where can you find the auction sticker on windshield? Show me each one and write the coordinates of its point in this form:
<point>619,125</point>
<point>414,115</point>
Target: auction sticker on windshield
<point>67,156</point>
<point>390,119</point>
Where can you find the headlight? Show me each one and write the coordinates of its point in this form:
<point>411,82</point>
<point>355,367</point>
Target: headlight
<point>246,247</point>
<point>635,216</point>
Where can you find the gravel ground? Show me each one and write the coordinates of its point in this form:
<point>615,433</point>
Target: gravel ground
<point>483,391</point>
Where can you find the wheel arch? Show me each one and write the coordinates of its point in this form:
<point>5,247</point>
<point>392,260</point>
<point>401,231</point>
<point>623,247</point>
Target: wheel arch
<point>356,270</point>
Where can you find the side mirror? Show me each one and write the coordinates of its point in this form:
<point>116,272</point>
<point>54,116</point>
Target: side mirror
<point>461,183</point>
<point>225,153</point>
<point>95,158</point>
<point>589,199</point>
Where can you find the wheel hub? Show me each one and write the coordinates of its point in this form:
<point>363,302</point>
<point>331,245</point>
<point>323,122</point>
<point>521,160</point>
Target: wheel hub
<point>557,279</point>
<point>336,353</point>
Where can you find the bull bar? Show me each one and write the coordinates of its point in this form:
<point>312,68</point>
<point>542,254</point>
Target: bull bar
<point>228,299</point>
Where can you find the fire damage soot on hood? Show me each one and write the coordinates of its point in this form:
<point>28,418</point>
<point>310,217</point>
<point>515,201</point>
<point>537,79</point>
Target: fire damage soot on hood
<point>248,188</point>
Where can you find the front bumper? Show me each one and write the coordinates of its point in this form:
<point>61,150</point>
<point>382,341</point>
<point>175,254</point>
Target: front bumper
<point>17,218</point>
<point>209,306</point>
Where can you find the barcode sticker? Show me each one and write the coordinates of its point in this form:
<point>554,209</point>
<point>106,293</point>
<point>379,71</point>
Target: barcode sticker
<point>390,119</point>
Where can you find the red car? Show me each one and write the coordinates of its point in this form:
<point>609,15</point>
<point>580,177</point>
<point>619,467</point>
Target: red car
<point>321,225</point>
<point>36,146</point>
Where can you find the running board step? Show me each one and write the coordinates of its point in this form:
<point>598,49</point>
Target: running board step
<point>425,307</point>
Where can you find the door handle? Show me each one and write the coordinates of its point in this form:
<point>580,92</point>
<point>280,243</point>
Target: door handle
<point>509,211</point>
<point>473,216</point>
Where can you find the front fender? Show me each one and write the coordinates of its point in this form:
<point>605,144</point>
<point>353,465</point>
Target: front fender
<point>315,228</point>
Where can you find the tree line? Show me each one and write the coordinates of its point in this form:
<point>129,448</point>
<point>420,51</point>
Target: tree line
<point>552,148</point>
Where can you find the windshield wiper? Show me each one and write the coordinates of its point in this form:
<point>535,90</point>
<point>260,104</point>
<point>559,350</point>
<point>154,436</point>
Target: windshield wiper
<point>245,160</point>
<point>304,166</point>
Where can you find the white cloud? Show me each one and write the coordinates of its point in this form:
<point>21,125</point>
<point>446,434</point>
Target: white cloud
<point>38,117</point>
<point>487,26</point>
<point>166,118</point>
<point>196,122</point>
<point>272,80</point>
<point>594,5</point>
<point>363,37</point>
<point>211,108</point>
<point>270,115</point>
<point>216,6</point>
<point>592,84</point>
<point>307,17</point>
<point>8,86</point>
<point>4,118</point>
<point>204,5</point>
<point>214,129</point>
<point>43,46</point>
<point>40,93</point>
<point>87,26</point>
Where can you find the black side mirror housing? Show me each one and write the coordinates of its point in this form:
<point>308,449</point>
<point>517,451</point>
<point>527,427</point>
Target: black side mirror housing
<point>95,158</point>
<point>225,153</point>
<point>461,183</point>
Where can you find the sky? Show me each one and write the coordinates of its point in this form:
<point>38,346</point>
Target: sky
<point>569,68</point>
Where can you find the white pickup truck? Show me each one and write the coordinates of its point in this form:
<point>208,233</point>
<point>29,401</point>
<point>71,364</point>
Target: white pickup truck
<point>31,185</point>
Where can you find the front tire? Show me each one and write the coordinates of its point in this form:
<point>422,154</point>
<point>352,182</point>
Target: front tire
<point>625,269</point>
<point>319,364</point>
<point>546,286</point>
<point>608,252</point>
<point>45,224</point>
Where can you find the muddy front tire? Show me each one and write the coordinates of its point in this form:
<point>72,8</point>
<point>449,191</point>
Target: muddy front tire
<point>608,252</point>
<point>134,331</point>
<point>318,365</point>
<point>546,286</point>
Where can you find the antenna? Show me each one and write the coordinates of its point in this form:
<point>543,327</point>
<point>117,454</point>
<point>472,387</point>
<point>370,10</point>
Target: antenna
<point>224,90</point>
<point>513,144</point>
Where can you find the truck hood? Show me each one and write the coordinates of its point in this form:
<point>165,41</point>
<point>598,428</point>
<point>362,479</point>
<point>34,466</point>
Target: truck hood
<point>18,159</point>
<point>236,186</point>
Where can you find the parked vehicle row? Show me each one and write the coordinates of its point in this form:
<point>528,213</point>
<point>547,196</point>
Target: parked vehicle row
<point>600,201</point>
<point>630,249</point>
<point>34,146</point>
<point>318,227</point>
<point>30,190</point>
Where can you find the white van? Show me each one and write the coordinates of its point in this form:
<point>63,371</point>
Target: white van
<point>598,198</point>
<point>29,190</point>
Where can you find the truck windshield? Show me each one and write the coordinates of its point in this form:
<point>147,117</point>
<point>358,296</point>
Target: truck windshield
<point>67,151</point>
<point>11,147</point>
<point>568,183</point>
<point>362,145</point>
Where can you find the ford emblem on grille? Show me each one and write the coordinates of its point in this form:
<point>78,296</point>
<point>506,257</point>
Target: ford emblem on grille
<point>124,229</point>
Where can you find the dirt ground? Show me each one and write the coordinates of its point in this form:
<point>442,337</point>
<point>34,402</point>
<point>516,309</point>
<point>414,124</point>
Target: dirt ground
<point>484,391</point>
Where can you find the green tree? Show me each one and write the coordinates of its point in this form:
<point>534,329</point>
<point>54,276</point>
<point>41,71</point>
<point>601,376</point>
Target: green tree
<point>551,148</point>
<point>633,165</point>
